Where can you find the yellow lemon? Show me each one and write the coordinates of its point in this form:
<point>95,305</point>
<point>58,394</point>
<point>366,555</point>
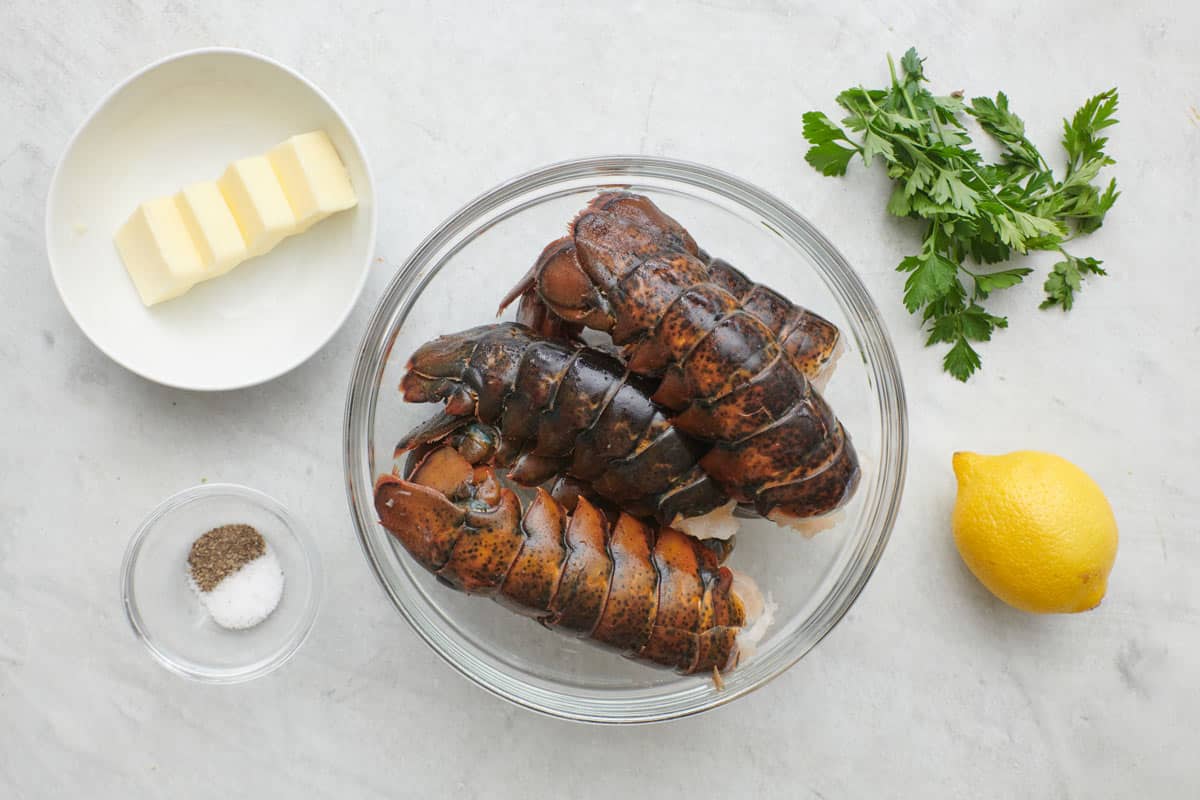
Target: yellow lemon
<point>1035,530</point>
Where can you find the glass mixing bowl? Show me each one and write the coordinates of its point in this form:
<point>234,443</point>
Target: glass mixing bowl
<point>454,280</point>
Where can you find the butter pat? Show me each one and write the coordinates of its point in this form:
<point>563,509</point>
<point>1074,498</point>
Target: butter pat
<point>159,252</point>
<point>212,227</point>
<point>313,177</point>
<point>259,205</point>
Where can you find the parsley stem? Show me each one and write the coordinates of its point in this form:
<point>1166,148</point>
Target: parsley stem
<point>903,90</point>
<point>938,126</point>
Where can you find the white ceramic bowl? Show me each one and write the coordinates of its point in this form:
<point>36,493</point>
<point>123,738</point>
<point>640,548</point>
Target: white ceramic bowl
<point>183,120</point>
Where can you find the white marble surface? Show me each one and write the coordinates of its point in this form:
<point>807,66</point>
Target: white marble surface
<point>929,688</point>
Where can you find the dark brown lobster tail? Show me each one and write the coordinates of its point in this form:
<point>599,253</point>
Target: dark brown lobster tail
<point>650,592</point>
<point>556,408</point>
<point>559,294</point>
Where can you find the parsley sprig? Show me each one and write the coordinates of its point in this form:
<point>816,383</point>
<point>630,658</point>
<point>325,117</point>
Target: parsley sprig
<point>975,212</point>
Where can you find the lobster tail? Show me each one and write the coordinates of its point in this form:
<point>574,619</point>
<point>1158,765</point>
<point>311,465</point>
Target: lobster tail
<point>560,408</point>
<point>651,593</point>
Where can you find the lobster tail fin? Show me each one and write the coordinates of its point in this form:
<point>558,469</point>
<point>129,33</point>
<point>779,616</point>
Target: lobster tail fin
<point>422,518</point>
<point>558,296</point>
<point>434,429</point>
<point>446,356</point>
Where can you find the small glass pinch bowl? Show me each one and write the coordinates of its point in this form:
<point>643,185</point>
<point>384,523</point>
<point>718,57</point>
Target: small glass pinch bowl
<point>167,616</point>
<point>455,279</point>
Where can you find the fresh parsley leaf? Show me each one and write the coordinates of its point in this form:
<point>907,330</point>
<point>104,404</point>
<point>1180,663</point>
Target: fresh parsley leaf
<point>1079,134</point>
<point>977,324</point>
<point>1087,207</point>
<point>829,158</point>
<point>1008,232</point>
<point>912,64</point>
<point>1032,225</point>
<point>1061,286</point>
<point>819,129</point>
<point>1109,197</point>
<point>920,176</point>
<point>876,145</point>
<point>930,276</point>
<point>995,117</point>
<point>944,329</point>
<point>1066,278</point>
<point>972,209</point>
<point>924,206</point>
<point>899,121</point>
<point>826,155</point>
<point>961,360</point>
<point>988,282</point>
<point>860,103</point>
<point>898,204</point>
<point>950,106</point>
<point>949,187</point>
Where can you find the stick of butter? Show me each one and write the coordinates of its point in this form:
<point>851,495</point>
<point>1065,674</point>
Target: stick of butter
<point>172,243</point>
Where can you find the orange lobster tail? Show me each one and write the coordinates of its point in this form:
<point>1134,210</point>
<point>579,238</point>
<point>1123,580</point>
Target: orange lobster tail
<point>651,593</point>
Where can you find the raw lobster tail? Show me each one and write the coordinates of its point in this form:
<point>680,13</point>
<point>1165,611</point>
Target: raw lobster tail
<point>652,593</point>
<point>733,359</point>
<point>558,297</point>
<point>554,408</point>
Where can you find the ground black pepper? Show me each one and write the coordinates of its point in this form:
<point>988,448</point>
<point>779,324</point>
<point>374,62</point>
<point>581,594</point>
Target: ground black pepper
<point>222,552</point>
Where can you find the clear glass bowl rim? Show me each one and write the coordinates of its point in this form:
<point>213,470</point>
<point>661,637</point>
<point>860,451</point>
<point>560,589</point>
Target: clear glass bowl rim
<point>871,336</point>
<point>302,628</point>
